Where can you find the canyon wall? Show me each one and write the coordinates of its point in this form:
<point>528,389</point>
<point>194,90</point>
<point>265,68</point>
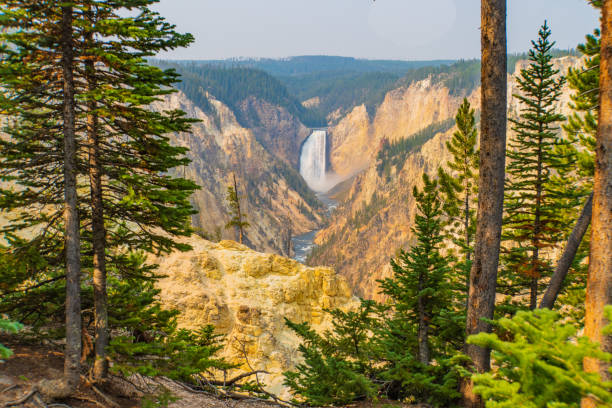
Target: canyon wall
<point>277,130</point>
<point>276,200</point>
<point>376,214</point>
<point>356,139</point>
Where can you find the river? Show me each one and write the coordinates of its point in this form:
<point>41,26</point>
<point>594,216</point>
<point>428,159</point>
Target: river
<point>304,244</point>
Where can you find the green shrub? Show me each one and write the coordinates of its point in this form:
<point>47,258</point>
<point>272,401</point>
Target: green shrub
<point>541,365</point>
<point>150,343</point>
<point>8,327</point>
<point>338,365</point>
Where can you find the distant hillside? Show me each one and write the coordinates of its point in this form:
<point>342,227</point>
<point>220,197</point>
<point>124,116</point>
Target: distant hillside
<point>463,76</point>
<point>304,65</point>
<point>338,83</point>
<point>341,91</point>
<point>232,86</point>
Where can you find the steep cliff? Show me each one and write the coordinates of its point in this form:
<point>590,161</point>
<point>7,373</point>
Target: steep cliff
<point>247,295</point>
<point>375,217</point>
<point>276,200</point>
<point>278,131</point>
<point>355,140</point>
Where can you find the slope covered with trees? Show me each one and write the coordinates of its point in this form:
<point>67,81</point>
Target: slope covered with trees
<point>232,85</point>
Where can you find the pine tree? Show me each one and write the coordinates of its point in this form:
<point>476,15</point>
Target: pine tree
<point>577,183</point>
<point>599,283</point>
<point>410,344</point>
<point>134,204</point>
<point>150,343</point>
<point>483,276</point>
<point>581,130</point>
<point>128,150</point>
<point>582,124</point>
<point>419,289</point>
<point>533,222</point>
<point>238,217</point>
<point>460,186</point>
<point>40,153</point>
<point>7,326</point>
<point>425,321</point>
<point>339,365</point>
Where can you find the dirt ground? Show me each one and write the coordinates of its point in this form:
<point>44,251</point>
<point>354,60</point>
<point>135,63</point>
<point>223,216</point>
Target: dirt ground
<point>32,363</point>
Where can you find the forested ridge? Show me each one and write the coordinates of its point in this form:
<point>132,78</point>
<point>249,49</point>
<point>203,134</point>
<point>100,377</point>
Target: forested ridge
<point>233,85</point>
<point>338,84</point>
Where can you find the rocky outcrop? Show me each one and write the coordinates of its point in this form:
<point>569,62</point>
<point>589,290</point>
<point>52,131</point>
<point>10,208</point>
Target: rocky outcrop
<point>247,295</point>
<point>375,217</point>
<point>276,200</point>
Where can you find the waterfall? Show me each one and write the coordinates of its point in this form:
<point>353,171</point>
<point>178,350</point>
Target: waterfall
<point>313,161</point>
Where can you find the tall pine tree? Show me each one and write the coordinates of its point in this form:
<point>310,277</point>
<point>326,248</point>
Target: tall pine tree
<point>123,149</point>
<point>238,217</point>
<point>424,329</point>
<point>420,289</point>
<point>39,153</point>
<point>533,224</point>
<point>129,155</point>
<point>577,181</point>
<point>459,184</point>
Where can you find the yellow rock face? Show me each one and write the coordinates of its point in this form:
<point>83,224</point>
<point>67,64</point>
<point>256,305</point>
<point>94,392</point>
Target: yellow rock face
<point>246,295</point>
<point>361,251</point>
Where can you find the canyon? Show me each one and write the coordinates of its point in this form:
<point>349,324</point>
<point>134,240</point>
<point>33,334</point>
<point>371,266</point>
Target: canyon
<point>276,201</point>
<point>266,145</point>
<point>280,164</point>
<point>375,216</point>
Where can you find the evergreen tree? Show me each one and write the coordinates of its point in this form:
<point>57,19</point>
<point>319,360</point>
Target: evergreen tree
<point>460,186</point>
<point>134,204</point>
<point>129,156</point>
<point>149,342</point>
<point>533,223</point>
<point>425,323</point>
<point>339,365</point>
<point>238,217</point>
<point>577,180</point>
<point>599,283</point>
<point>419,289</point>
<point>406,348</point>
<point>40,153</point>
<point>6,326</point>
<point>483,276</point>
<point>584,81</point>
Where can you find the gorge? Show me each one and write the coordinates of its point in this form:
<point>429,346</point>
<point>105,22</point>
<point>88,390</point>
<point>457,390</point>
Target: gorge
<point>313,168</point>
<point>285,166</point>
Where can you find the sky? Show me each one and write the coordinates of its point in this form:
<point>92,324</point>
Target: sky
<point>382,29</point>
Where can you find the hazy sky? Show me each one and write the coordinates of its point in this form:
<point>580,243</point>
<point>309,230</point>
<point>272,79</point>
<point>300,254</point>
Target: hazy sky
<point>389,29</point>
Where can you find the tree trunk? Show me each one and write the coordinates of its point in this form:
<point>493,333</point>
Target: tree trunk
<point>599,283</point>
<point>72,354</point>
<point>537,226</point>
<point>483,276</point>
<point>468,254</point>
<point>100,370</point>
<point>569,253</point>
<point>423,328</point>
<point>240,231</point>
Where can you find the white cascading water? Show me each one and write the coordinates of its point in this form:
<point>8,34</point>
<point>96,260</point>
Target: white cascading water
<point>313,161</point>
